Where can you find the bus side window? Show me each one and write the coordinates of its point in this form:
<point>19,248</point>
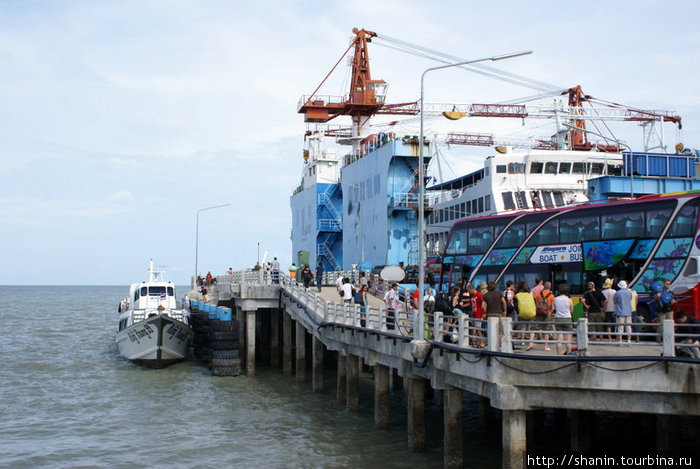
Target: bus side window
<point>656,225</point>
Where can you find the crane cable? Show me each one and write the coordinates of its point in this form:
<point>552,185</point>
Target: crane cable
<point>483,69</point>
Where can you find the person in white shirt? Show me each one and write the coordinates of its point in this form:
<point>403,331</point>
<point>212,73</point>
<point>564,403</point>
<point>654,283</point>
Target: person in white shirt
<point>339,284</point>
<point>391,299</point>
<point>347,292</point>
<point>562,318</point>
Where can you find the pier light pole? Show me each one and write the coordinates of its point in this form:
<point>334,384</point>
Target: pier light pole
<point>196,242</point>
<point>418,320</point>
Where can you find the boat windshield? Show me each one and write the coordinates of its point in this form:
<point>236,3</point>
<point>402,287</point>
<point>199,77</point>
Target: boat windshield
<point>157,291</point>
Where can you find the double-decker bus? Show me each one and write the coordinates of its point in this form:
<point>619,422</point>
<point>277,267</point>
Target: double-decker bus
<point>642,241</point>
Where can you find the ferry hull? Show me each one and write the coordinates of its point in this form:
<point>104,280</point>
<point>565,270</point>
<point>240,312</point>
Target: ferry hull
<point>155,342</point>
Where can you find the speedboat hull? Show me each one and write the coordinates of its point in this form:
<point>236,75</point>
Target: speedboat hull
<point>155,342</point>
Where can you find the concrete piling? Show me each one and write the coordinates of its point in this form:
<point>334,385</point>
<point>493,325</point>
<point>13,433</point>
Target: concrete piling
<point>317,364</point>
<point>250,343</point>
<point>301,353</point>
<point>453,448</point>
<point>381,396</point>
<point>287,345</point>
<point>275,338</point>
<point>416,414</point>
<point>341,387</point>
<point>353,383</point>
<point>514,440</point>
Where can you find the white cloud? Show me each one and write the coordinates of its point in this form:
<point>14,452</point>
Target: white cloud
<point>181,105</point>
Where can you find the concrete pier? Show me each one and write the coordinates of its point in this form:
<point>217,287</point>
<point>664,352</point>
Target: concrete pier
<point>644,382</point>
<point>287,344</point>
<point>514,439</point>
<point>381,396</point>
<point>342,381</point>
<point>275,338</point>
<point>453,453</point>
<point>250,342</point>
<point>353,383</point>
<point>301,353</point>
<point>317,351</point>
<point>416,414</point>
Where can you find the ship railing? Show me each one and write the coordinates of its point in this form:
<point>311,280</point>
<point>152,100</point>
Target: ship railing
<point>406,200</point>
<point>329,224</point>
<point>317,99</point>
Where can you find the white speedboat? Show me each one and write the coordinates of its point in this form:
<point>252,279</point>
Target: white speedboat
<point>152,330</point>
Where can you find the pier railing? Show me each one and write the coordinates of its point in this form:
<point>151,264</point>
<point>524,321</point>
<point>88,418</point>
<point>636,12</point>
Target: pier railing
<point>493,334</point>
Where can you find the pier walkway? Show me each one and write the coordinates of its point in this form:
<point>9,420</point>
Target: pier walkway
<point>645,378</point>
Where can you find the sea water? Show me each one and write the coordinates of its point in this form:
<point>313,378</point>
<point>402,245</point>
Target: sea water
<point>68,400</point>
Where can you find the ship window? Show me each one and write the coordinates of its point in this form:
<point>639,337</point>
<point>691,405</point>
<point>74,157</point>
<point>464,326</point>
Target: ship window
<point>500,168</point>
<point>550,168</point>
<point>515,168</point>
<point>508,203</point>
<point>536,167</point>
<point>564,168</point>
<point>579,168</point>
<point>136,295</point>
<point>547,197</point>
<point>171,291</point>
<point>481,204</point>
<point>463,209</point>
<point>614,170</point>
<point>520,199</point>
<point>597,168</point>
<point>487,203</point>
<point>144,291</point>
<point>558,198</point>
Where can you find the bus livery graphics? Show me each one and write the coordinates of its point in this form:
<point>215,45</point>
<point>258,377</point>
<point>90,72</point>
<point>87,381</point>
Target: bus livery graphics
<point>641,241</point>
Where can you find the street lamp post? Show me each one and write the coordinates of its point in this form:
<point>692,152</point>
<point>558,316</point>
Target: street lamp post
<point>418,320</point>
<point>196,242</point>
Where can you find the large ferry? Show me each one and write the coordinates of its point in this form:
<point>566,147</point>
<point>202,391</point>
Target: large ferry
<point>360,210</point>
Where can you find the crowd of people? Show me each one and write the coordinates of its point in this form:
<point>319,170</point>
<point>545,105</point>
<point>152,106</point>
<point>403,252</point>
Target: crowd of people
<point>538,312</point>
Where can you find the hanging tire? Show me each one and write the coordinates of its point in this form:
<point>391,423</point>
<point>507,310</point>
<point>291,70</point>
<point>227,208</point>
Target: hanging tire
<point>223,335</point>
<point>225,344</point>
<point>226,371</point>
<point>226,326</point>
<point>219,362</point>
<point>225,355</point>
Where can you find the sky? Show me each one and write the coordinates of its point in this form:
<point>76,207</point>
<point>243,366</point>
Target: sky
<point>120,120</point>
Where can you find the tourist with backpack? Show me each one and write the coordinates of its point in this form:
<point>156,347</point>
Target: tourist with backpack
<point>525,306</point>
<point>664,301</point>
<point>544,307</point>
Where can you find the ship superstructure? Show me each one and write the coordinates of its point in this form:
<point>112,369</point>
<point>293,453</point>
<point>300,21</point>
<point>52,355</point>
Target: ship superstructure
<point>361,209</point>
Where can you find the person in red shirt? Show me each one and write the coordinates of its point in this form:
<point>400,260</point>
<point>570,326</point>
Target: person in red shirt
<point>477,314</point>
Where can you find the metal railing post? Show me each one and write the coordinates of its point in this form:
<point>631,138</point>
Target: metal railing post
<point>492,332</point>
<point>669,340</point>
<point>437,326</point>
<point>507,341</point>
<point>463,331</point>
<point>581,334</point>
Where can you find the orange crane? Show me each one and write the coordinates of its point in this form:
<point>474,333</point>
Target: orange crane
<point>367,98</point>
